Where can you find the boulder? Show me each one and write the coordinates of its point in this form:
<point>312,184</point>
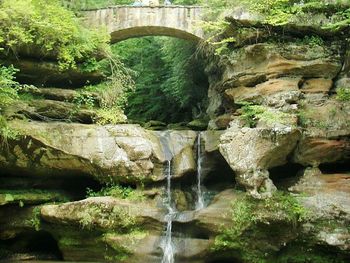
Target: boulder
<point>122,153</point>
<point>198,124</point>
<point>155,125</point>
<point>251,152</point>
<point>177,146</point>
<point>245,224</point>
<point>50,110</point>
<point>184,162</point>
<point>221,122</point>
<point>211,219</point>
<point>211,140</point>
<point>105,213</point>
<point>67,95</point>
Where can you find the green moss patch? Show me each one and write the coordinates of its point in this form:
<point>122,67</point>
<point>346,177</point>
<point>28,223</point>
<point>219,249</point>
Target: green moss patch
<point>30,196</point>
<point>259,227</point>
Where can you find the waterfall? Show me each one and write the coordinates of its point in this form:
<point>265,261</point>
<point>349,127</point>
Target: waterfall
<point>168,247</point>
<point>200,199</point>
<point>167,244</point>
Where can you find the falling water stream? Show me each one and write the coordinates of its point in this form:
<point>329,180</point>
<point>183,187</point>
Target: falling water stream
<point>200,199</point>
<point>168,247</point>
<point>167,244</point>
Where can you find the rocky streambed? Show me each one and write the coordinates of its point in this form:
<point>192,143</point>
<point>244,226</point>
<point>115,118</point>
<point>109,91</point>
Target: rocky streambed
<point>61,160</point>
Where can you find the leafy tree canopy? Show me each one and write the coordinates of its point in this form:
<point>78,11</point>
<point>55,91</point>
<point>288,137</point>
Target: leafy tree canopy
<point>48,29</point>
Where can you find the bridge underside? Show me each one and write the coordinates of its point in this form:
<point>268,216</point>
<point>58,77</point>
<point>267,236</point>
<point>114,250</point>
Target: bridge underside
<point>142,31</point>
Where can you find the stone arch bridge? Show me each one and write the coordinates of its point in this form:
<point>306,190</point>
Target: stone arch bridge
<point>125,22</point>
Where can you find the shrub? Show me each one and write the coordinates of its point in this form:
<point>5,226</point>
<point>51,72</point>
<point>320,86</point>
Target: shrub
<point>116,217</point>
<point>117,191</point>
<point>8,85</point>
<point>6,133</point>
<point>113,115</point>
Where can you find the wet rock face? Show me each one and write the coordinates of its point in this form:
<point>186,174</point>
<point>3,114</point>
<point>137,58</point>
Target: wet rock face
<point>123,153</point>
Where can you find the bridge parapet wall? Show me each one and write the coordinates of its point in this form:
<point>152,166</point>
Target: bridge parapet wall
<point>130,21</point>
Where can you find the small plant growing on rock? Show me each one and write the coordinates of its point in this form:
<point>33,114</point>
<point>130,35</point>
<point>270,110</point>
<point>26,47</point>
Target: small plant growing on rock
<point>84,99</point>
<point>114,115</point>
<point>343,94</point>
<point>8,85</point>
<point>251,114</point>
<point>117,191</point>
<point>311,41</point>
<point>100,217</point>
<point>35,221</point>
<point>6,134</point>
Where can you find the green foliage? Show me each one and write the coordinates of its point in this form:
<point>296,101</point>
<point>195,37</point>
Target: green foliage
<point>113,92</point>
<point>84,98</point>
<point>312,41</point>
<point>170,82</point>
<point>29,97</point>
<point>106,116</point>
<point>49,29</point>
<point>343,22</point>
<point>118,218</point>
<point>302,253</point>
<point>8,86</point>
<point>251,218</point>
<point>251,114</point>
<point>306,118</point>
<point>109,98</point>
<point>93,4</point>
<point>287,204</point>
<point>9,197</point>
<point>275,13</point>
<point>117,191</point>
<point>343,94</point>
<point>35,221</point>
<point>6,133</point>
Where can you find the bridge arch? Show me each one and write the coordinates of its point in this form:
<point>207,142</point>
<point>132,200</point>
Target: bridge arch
<point>125,22</point>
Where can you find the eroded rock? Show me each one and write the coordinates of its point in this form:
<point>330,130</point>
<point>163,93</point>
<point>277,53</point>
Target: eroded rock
<point>250,152</point>
<point>123,153</point>
<point>275,92</point>
<point>106,213</point>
